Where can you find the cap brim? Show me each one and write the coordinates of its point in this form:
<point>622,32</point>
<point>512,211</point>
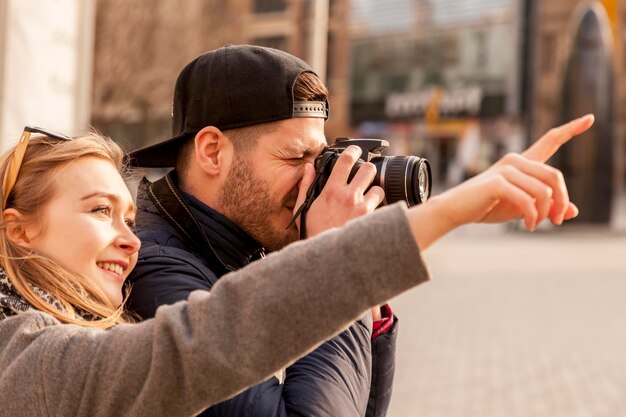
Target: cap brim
<point>159,155</point>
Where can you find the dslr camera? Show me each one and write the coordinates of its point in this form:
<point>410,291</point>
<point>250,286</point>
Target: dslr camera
<point>403,178</point>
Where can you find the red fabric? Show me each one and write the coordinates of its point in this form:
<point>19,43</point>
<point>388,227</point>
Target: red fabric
<point>384,324</point>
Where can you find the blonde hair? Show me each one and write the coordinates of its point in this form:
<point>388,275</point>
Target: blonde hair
<point>35,186</point>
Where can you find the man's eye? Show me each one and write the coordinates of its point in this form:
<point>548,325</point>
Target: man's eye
<point>106,210</point>
<point>131,224</point>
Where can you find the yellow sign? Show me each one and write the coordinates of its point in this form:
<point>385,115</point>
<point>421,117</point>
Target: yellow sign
<point>433,111</point>
<point>612,11</point>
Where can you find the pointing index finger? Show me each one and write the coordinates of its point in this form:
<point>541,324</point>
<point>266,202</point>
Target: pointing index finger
<point>548,144</point>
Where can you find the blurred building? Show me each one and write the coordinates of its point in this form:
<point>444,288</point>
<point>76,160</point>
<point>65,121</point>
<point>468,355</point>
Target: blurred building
<point>578,66</point>
<point>142,45</point>
<point>438,79</point>
<point>460,82</point>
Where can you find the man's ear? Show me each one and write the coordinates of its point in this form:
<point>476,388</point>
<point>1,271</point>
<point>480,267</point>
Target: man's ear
<point>213,150</point>
<point>18,230</point>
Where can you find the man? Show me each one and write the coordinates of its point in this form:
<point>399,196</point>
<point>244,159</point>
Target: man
<point>246,120</point>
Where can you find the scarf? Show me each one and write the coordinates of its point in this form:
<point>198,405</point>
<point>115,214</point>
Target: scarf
<point>12,304</point>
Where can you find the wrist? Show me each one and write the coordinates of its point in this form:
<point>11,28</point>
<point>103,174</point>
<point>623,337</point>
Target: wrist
<point>432,220</point>
<point>445,208</point>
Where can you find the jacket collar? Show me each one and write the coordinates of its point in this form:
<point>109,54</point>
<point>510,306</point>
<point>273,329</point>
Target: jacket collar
<point>215,238</point>
<point>233,245</point>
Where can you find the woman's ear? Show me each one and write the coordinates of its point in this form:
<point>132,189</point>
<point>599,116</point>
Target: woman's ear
<point>18,230</point>
<point>213,150</point>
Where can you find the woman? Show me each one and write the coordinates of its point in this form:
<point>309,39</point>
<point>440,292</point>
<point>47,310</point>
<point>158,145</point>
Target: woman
<point>66,247</point>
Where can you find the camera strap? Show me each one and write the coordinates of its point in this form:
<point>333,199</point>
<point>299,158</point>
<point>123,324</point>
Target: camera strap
<point>310,194</point>
<point>304,208</point>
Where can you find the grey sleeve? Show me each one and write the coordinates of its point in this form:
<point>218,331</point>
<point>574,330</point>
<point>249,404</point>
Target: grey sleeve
<point>197,353</point>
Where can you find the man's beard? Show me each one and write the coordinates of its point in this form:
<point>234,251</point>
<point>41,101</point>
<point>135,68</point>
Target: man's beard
<point>245,200</point>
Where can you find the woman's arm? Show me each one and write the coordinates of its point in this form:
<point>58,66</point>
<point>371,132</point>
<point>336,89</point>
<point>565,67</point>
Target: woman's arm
<point>197,353</point>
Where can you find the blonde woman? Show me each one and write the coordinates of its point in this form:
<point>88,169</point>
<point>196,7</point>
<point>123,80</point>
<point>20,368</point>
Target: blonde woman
<point>67,245</point>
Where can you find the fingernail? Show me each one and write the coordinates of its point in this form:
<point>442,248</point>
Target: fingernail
<point>354,150</point>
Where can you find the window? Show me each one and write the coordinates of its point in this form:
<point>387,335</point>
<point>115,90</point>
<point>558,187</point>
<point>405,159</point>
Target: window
<point>481,49</point>
<point>394,82</point>
<point>330,64</point>
<point>277,42</point>
<point>548,51</point>
<point>269,6</point>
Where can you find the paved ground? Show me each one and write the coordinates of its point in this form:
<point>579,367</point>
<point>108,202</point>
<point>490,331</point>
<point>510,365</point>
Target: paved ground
<point>516,324</point>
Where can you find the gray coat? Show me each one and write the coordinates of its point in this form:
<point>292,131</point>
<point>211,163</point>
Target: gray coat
<point>159,367</point>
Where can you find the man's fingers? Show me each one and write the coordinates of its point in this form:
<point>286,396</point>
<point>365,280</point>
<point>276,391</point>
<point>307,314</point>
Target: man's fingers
<point>548,144</point>
<point>344,164</point>
<point>363,178</point>
<point>373,198</point>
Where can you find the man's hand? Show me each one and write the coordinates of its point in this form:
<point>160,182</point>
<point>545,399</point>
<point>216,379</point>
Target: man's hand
<point>339,201</point>
<point>517,186</point>
<point>376,313</point>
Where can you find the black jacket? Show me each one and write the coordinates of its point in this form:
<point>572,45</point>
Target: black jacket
<point>187,246</point>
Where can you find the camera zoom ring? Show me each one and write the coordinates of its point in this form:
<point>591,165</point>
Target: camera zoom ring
<point>395,181</point>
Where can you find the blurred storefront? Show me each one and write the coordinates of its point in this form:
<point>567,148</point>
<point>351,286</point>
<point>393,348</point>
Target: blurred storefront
<point>438,79</point>
<point>578,67</point>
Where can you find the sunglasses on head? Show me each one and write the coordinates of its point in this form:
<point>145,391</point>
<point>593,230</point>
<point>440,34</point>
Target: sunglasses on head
<point>15,164</point>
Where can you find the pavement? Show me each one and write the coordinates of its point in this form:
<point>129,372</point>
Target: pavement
<point>516,324</point>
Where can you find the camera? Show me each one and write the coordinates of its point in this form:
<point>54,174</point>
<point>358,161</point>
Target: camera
<point>403,178</point>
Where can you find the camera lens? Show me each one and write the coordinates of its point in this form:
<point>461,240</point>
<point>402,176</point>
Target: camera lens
<point>403,178</point>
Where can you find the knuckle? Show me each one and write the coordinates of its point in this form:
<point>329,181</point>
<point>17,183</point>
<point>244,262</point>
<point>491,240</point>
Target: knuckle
<point>361,210</point>
<point>344,161</point>
<point>557,175</point>
<point>368,167</point>
<point>350,155</point>
<point>500,182</point>
<point>506,170</point>
<point>331,191</point>
<point>348,199</point>
<point>510,157</point>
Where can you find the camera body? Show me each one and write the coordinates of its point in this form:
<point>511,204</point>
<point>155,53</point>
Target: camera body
<point>403,178</point>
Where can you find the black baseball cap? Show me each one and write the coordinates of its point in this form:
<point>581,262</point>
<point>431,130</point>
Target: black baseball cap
<point>231,87</point>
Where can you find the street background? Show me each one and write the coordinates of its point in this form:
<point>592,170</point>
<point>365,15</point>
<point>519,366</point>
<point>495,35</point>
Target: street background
<point>512,324</point>
<point>515,324</point>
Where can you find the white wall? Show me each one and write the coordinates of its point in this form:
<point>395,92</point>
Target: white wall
<point>46,57</point>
